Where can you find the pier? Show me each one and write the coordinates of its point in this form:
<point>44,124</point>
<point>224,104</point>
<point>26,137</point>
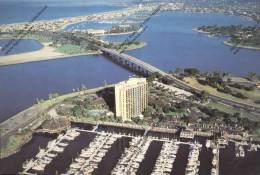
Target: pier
<point>193,160</point>
<point>89,157</point>
<point>131,159</point>
<point>45,156</point>
<point>167,156</point>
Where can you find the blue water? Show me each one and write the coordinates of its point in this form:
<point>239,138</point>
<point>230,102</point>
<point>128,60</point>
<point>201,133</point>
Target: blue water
<point>25,10</point>
<point>172,43</point>
<point>9,47</point>
<point>21,85</point>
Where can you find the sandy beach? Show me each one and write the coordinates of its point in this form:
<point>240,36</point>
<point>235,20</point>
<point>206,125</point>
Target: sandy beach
<point>46,53</point>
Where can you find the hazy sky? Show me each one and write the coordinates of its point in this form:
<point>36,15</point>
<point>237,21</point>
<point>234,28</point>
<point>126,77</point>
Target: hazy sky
<point>70,2</point>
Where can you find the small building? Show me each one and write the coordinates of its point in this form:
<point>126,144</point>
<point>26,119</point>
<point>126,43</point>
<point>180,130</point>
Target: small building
<point>187,134</point>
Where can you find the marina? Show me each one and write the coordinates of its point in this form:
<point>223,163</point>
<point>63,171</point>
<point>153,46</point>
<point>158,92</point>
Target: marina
<point>165,161</point>
<point>89,158</point>
<point>193,160</point>
<point>177,132</point>
<point>45,156</point>
<point>146,152</point>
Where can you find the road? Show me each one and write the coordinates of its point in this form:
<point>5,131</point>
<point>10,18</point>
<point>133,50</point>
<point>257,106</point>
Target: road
<point>176,81</point>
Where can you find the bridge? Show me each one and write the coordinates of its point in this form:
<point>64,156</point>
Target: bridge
<point>135,64</point>
<point>139,66</point>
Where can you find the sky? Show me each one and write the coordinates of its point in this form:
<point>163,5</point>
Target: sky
<point>70,2</point>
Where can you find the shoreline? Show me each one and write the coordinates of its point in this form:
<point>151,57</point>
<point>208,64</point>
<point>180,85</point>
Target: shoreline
<point>227,42</point>
<point>240,46</point>
<point>120,33</point>
<point>45,53</point>
<point>29,118</point>
<point>200,31</point>
<point>48,53</point>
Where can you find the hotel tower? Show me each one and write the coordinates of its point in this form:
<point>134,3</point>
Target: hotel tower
<point>131,98</point>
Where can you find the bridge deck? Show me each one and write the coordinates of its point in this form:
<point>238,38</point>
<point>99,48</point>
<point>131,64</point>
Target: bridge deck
<point>134,60</point>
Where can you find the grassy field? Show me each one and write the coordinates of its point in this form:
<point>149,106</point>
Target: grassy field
<point>193,82</point>
<point>136,46</point>
<point>132,46</point>
<point>15,142</point>
<point>231,110</point>
<point>70,49</point>
<point>228,43</point>
<point>41,39</point>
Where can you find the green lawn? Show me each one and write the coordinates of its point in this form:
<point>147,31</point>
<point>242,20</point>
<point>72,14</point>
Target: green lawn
<point>231,110</point>
<point>250,101</point>
<point>14,142</point>
<point>70,49</point>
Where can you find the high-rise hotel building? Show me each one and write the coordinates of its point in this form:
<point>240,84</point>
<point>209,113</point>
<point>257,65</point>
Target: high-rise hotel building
<point>131,98</point>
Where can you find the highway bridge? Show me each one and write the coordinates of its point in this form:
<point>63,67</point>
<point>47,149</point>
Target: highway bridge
<point>139,66</point>
<point>136,65</point>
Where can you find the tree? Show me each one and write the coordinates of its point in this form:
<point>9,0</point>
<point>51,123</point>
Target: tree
<point>52,96</point>
<point>148,111</point>
<point>178,71</point>
<point>204,96</point>
<point>77,111</point>
<point>237,115</point>
<point>252,76</point>
<point>191,71</point>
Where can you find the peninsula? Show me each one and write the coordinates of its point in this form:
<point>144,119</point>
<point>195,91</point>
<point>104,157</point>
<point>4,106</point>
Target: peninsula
<point>239,36</point>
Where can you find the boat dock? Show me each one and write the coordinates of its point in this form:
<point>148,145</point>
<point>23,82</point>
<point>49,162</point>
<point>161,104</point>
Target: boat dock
<point>164,162</point>
<point>193,160</point>
<point>130,160</point>
<point>45,156</point>
<point>90,157</point>
<point>215,161</point>
<point>132,156</point>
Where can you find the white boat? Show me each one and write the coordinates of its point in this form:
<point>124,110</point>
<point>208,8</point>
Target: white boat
<point>208,143</point>
<point>241,151</point>
<point>40,154</point>
<point>27,163</point>
<point>39,167</point>
<point>63,144</point>
<point>51,155</point>
<point>58,149</point>
<point>51,144</point>
<point>75,165</point>
<point>79,160</point>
